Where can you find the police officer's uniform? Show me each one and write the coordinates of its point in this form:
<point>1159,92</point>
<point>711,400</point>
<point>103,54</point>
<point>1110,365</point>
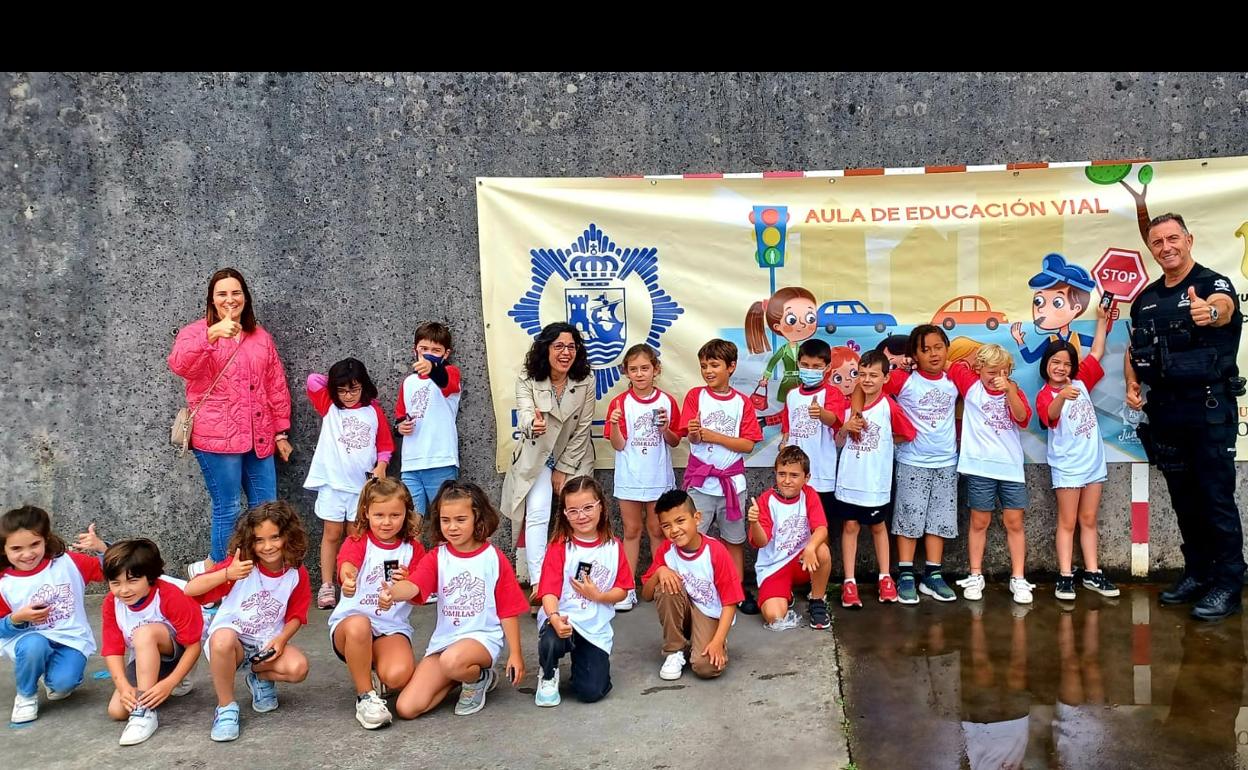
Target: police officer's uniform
<point>1192,419</point>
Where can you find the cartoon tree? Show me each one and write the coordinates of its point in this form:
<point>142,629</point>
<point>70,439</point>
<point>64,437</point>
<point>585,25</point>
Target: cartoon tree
<point>1117,173</point>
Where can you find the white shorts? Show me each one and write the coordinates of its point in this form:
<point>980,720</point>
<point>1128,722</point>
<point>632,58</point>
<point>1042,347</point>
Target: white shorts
<point>332,505</point>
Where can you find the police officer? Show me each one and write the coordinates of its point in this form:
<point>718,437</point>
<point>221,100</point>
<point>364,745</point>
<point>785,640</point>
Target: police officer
<point>1184,341</point>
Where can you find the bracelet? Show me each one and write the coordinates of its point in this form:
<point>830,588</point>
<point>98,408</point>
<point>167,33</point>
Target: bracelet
<point>281,437</point>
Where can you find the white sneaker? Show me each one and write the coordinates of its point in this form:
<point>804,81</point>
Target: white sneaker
<point>547,690</point>
<point>143,722</point>
<point>54,695</point>
<point>196,568</point>
<point>182,688</point>
<point>1021,590</point>
<point>371,711</point>
<point>972,587</point>
<point>25,709</point>
<point>432,598</point>
<point>790,620</point>
<point>673,667</point>
<point>628,602</point>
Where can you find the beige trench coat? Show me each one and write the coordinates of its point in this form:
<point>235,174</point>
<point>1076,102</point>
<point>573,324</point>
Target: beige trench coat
<point>567,435</point>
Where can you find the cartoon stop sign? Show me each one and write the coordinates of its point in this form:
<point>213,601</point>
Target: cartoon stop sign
<point>1121,276</point>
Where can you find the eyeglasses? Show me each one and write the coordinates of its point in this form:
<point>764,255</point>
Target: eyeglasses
<point>584,510</point>
<point>350,391</point>
<point>563,347</point>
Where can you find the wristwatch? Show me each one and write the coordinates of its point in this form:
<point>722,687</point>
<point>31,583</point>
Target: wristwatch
<point>1213,313</point>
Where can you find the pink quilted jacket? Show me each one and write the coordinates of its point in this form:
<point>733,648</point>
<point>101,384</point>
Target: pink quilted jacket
<point>250,404</point>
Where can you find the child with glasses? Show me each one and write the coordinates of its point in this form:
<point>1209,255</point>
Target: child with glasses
<point>355,445</point>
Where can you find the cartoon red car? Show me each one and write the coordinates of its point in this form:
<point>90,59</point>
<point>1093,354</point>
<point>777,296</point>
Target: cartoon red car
<point>968,309</point>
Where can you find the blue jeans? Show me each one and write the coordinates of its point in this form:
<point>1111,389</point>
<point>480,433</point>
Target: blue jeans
<point>424,484</point>
<point>36,656</point>
<point>225,475</point>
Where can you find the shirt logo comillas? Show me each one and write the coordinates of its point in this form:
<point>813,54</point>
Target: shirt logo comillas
<point>596,285</point>
<point>60,601</point>
<point>463,596</point>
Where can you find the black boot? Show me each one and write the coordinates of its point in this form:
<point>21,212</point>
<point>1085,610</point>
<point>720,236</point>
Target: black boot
<point>1188,589</point>
<point>1219,603</point>
<point>749,606</point>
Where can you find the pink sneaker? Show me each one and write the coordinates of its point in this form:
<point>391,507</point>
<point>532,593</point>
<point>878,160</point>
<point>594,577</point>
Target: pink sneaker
<point>888,589</point>
<point>849,596</point>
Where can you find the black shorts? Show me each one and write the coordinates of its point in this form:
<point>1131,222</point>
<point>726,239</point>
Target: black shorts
<point>865,515</point>
<point>375,638</point>
<point>167,663</point>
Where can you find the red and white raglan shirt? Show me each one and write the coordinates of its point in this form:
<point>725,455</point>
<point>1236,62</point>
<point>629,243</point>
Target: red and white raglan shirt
<point>814,438</point>
<point>260,605</point>
<point>1076,453</point>
<point>929,402</point>
<point>709,574</point>
<point>991,443</point>
<point>369,555</point>
<point>166,604</point>
<point>476,590</point>
<point>61,584</point>
<point>643,468</point>
<point>865,476</point>
<point>609,570</point>
<point>434,440</point>
<point>788,524</point>
<point>351,443</point>
<point>729,413</point>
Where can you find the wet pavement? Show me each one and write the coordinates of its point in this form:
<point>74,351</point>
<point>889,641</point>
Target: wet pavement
<point>1095,683</point>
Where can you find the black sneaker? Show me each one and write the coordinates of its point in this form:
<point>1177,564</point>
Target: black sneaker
<point>1096,581</point>
<point>1188,589</point>
<point>1065,588</point>
<point>819,614</point>
<point>748,606</point>
<point>1219,603</point>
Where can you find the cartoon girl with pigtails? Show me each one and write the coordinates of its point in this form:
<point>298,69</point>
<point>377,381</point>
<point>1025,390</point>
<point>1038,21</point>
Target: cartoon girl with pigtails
<point>791,313</point>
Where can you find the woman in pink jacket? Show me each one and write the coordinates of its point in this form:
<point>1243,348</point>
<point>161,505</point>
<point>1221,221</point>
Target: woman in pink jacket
<point>245,417</point>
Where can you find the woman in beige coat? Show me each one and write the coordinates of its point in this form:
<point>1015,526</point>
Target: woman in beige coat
<point>554,410</point>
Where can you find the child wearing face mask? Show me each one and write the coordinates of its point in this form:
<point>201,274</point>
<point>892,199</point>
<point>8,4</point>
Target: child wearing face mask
<point>810,416</point>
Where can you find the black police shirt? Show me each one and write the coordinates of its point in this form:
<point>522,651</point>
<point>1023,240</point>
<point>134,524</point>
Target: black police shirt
<point>1162,304</point>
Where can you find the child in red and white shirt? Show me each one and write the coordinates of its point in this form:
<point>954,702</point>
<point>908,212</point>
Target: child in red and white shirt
<point>695,587</point>
<point>722,429</point>
<point>43,623</point>
<point>479,604</point>
<point>639,426</point>
<point>790,531</point>
<point>355,444</point>
<point>584,574</point>
<point>864,480</point>
<point>995,411</point>
<point>811,413</point>
<point>264,594</point>
<point>148,619</point>
<point>368,634</point>
<point>425,416</point>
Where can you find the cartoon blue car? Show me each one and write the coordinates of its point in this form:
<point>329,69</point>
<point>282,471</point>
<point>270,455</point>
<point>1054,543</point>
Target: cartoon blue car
<point>851,312</point>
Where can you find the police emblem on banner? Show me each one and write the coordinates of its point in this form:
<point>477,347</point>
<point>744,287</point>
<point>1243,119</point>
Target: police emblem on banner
<point>610,293</point>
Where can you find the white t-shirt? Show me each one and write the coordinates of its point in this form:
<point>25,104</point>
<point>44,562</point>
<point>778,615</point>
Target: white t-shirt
<point>369,555</point>
<point>609,569</point>
<point>709,574</point>
<point>434,441</point>
<point>346,450</point>
<point>788,525</point>
<point>991,446</point>
<point>476,590</point>
<point>814,438</point>
<point>929,404</point>
<point>59,583</point>
<point>865,476</point>
<point>643,468</point>
<point>731,414</point>
<point>166,605</point>
<point>261,604</point>
<point>1076,453</point>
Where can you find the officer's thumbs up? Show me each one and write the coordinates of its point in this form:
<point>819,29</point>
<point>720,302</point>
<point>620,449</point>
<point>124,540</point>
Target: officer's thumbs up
<point>1200,309</point>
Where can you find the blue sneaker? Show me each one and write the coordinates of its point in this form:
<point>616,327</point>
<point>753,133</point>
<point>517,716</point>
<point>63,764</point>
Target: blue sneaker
<point>934,585</point>
<point>906,593</point>
<point>225,723</point>
<point>263,693</point>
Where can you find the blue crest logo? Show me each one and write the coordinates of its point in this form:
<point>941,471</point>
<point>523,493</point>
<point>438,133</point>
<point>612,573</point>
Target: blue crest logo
<point>603,285</point>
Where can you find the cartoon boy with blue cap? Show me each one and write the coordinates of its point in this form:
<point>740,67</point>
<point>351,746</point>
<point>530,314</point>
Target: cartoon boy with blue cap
<point>1063,292</point>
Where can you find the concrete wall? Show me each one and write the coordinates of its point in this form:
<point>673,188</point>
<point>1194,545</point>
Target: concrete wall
<point>347,200</point>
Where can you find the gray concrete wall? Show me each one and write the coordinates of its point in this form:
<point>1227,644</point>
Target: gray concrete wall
<point>347,200</point>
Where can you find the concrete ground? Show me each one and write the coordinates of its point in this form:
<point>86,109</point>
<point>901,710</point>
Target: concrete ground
<point>776,706</point>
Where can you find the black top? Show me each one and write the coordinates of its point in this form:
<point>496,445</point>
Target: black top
<point>1160,305</point>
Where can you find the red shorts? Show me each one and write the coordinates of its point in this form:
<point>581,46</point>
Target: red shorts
<point>779,585</point>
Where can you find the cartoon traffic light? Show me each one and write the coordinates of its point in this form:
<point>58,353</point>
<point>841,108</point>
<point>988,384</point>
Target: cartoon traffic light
<point>770,223</point>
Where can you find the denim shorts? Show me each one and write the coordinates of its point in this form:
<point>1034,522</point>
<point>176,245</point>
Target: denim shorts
<point>983,493</point>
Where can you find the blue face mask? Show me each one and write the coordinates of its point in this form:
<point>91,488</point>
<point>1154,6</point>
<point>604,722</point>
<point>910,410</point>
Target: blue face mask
<point>811,377</point>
